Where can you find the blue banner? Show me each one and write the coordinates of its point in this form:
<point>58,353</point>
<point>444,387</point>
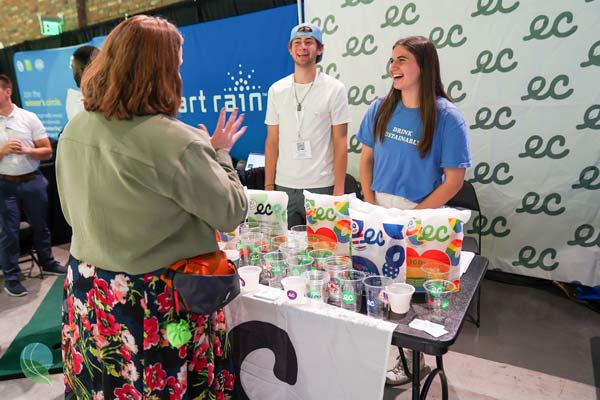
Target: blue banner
<point>226,63</point>
<point>231,63</point>
<point>44,76</point>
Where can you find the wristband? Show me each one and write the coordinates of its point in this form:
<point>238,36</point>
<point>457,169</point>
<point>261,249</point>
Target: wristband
<point>270,185</point>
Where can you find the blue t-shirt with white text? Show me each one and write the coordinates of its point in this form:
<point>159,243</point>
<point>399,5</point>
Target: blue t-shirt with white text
<point>398,169</point>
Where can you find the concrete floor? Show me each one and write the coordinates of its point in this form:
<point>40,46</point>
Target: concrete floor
<point>533,343</point>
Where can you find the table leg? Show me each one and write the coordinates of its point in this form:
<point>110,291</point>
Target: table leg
<point>438,370</point>
<point>416,378</point>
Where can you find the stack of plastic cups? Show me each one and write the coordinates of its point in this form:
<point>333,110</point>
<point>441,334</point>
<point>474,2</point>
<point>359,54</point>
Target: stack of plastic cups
<point>335,267</point>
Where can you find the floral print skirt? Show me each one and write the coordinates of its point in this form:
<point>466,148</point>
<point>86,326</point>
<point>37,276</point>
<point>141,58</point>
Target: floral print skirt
<point>114,343</point>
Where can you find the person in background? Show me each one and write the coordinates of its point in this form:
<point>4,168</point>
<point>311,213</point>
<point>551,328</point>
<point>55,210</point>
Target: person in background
<point>307,122</point>
<point>414,140</point>
<point>142,190</point>
<point>23,143</point>
<point>79,61</point>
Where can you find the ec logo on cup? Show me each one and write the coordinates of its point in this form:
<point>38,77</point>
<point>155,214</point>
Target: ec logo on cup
<point>313,294</point>
<point>371,303</point>
<point>292,294</point>
<point>349,298</point>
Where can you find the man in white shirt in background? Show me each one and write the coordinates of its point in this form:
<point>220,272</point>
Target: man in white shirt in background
<point>23,143</point>
<point>307,122</point>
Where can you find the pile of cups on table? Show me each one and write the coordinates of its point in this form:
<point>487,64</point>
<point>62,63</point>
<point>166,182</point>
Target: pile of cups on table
<point>306,265</point>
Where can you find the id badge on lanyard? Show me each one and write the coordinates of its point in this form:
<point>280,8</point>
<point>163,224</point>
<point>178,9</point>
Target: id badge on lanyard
<point>301,150</point>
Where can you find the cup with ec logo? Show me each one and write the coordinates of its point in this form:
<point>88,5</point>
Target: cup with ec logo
<point>351,289</point>
<point>294,289</point>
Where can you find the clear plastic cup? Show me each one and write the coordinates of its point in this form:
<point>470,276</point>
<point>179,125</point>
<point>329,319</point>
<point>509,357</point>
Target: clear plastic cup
<point>319,256</point>
<point>435,270</point>
<point>377,301</point>
<point>298,263</point>
<point>439,293</point>
<point>351,289</point>
<point>335,267</point>
<point>275,268</point>
<point>249,245</point>
<point>316,284</point>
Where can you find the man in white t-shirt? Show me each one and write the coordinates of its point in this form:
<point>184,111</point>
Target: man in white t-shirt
<point>307,122</point>
<point>23,143</point>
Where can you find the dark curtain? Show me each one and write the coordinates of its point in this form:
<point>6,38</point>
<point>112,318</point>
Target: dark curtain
<point>184,13</point>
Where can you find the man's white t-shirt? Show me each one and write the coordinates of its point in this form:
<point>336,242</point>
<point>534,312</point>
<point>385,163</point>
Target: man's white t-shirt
<point>26,127</point>
<point>323,105</point>
<point>74,103</point>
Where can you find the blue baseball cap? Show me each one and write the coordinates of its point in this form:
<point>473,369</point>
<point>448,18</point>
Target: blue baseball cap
<point>307,29</point>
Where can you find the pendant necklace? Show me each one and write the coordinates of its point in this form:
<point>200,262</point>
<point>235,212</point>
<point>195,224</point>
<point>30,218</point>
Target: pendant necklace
<point>299,102</point>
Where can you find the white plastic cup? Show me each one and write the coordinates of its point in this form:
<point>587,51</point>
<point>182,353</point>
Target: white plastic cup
<point>249,277</point>
<point>294,288</point>
<point>399,295</point>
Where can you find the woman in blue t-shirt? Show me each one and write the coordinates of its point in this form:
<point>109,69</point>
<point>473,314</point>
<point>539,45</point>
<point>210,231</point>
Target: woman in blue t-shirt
<point>415,150</point>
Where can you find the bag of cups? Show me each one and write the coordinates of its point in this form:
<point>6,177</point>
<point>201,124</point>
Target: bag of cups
<point>328,221</point>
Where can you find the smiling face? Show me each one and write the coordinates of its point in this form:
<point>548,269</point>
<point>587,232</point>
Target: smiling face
<point>305,50</point>
<point>405,72</point>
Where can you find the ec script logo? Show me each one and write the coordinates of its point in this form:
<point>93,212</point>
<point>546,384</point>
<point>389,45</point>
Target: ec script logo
<point>240,92</point>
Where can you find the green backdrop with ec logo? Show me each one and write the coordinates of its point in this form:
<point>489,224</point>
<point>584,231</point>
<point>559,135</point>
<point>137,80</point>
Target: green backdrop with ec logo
<point>525,74</point>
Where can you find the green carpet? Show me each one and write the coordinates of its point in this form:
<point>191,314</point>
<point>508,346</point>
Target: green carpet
<point>44,328</point>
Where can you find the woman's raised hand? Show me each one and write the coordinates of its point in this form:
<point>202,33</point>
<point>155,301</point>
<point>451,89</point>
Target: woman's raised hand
<point>226,133</point>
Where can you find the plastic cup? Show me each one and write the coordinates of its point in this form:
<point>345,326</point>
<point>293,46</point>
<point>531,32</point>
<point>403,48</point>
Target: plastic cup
<point>316,284</point>
<point>335,267</point>
<point>318,242</point>
<point>291,248</point>
<point>246,227</point>
<point>248,246</point>
<point>227,240</point>
<point>399,295</point>
<point>298,263</point>
<point>351,288</point>
<point>249,277</point>
<point>275,268</point>
<point>294,288</point>
<point>278,240</point>
<point>439,292</point>
<point>233,256</point>
<point>377,301</point>
<point>435,270</point>
<point>319,256</point>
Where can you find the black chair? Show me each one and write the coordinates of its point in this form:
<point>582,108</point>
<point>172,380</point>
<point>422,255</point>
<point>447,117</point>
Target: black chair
<point>466,198</point>
<point>253,178</point>
<point>351,185</point>
<point>28,254</point>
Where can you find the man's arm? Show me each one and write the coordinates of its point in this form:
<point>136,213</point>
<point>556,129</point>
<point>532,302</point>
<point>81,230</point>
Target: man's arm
<point>453,181</point>
<point>340,156</point>
<point>41,151</point>
<point>366,173</point>
<point>271,155</point>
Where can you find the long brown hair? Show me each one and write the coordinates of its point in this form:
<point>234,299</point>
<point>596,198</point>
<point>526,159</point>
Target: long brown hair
<point>137,70</point>
<point>430,87</point>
